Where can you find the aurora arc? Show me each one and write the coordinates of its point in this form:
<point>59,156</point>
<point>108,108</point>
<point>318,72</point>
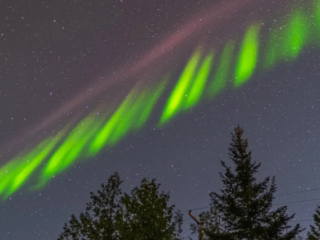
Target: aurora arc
<point>93,134</point>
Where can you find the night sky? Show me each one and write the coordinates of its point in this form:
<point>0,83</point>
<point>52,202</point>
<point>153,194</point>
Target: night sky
<point>88,88</point>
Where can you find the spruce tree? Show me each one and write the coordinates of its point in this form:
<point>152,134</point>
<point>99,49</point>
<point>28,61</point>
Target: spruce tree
<point>314,233</point>
<point>245,204</point>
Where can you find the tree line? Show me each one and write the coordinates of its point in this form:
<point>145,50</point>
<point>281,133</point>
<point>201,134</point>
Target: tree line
<point>241,210</point>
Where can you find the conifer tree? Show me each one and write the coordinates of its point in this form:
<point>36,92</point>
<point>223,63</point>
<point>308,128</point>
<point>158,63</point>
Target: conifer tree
<point>244,204</point>
<point>314,233</point>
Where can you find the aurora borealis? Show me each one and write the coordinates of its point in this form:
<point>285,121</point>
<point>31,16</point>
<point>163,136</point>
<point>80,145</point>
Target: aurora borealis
<point>160,96</point>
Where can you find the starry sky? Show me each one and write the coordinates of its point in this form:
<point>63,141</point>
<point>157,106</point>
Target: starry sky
<point>132,80</point>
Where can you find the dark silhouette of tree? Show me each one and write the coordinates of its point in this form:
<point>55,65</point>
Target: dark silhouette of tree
<point>314,232</point>
<point>111,215</point>
<point>212,223</point>
<point>147,215</point>
<point>298,238</point>
<point>243,208</point>
<point>99,219</point>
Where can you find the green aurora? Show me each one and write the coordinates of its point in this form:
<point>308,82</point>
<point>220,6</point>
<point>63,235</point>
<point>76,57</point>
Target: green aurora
<point>131,115</point>
<point>220,78</point>
<point>286,44</point>
<point>248,56</point>
<point>14,174</point>
<point>176,99</point>
<point>204,76</point>
<point>70,149</point>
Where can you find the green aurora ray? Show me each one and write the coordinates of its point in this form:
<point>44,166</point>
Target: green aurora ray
<point>286,43</point>
<point>248,56</point>
<point>174,103</point>
<point>70,149</point>
<point>223,71</point>
<point>133,112</point>
<point>195,92</point>
<point>14,174</point>
<point>317,15</point>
